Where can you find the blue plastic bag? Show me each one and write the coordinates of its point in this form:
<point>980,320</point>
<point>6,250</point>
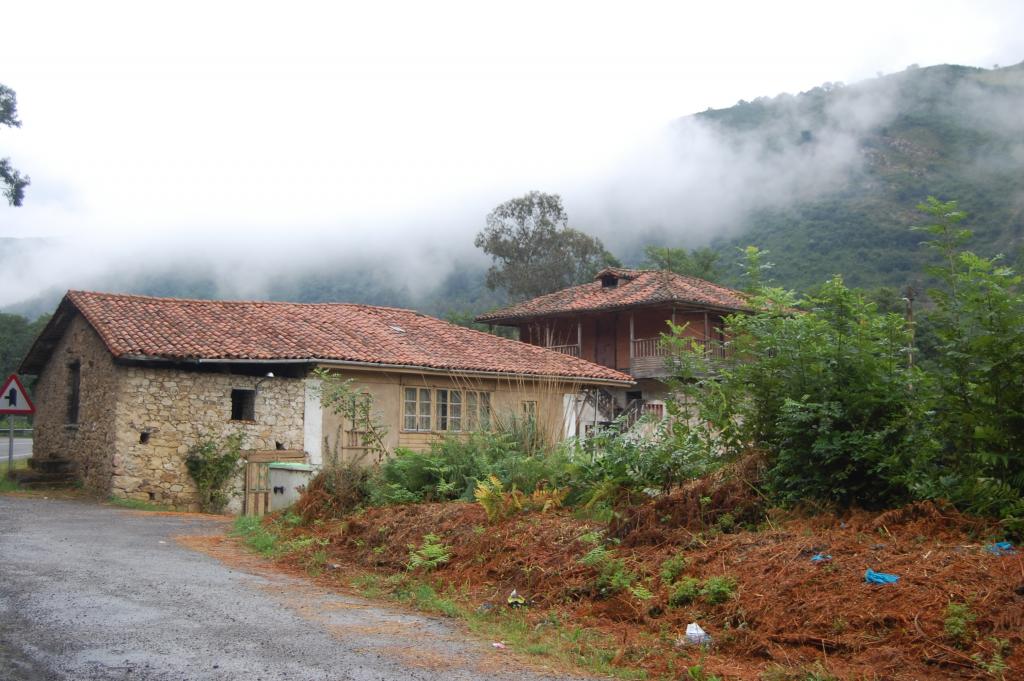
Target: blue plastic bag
<point>1001,548</point>
<point>872,577</point>
<point>821,558</point>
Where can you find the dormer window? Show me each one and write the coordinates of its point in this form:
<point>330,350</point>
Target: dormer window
<point>609,281</point>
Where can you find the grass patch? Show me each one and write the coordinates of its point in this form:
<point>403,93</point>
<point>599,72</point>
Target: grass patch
<point>137,504</point>
<point>6,484</point>
<point>257,536</point>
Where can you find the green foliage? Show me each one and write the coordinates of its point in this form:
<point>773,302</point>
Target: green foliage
<point>431,554</point>
<point>995,663</point>
<point>616,461</point>
<point>16,336</point>
<point>943,135</point>
<point>697,672</point>
<point>612,574</point>
<point>454,465</point>
<point>496,502</point>
<point>672,568</point>
<point>684,592</point>
<point>718,589</point>
<point>823,384</point>
<point>959,622</point>
<point>976,365</point>
<point>700,263</point>
<point>257,535</point>
<point>499,503</point>
<point>212,463</point>
<point>534,249</point>
<point>13,181</point>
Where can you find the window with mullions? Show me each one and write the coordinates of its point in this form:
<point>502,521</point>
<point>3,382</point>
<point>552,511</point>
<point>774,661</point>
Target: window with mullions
<point>478,411</point>
<point>444,410</point>
<point>418,406</point>
<point>449,410</point>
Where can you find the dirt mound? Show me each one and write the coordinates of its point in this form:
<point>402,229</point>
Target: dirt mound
<point>726,499</point>
<point>800,596</point>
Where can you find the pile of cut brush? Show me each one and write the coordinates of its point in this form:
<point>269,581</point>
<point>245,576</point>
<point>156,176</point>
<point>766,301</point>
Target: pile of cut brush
<point>778,593</point>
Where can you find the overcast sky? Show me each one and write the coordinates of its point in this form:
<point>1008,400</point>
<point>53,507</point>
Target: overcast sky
<point>193,120</point>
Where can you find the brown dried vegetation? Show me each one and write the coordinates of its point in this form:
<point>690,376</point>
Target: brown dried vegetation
<point>787,613</point>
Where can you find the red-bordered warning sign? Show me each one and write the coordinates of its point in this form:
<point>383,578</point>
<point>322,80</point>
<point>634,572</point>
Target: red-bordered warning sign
<point>14,398</point>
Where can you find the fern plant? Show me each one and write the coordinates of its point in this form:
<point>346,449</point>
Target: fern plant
<point>430,555</point>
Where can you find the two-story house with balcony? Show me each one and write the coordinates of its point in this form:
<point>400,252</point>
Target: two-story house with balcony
<point>617,321</point>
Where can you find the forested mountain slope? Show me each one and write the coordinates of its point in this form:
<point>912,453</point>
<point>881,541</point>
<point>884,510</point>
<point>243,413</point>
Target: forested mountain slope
<point>950,131</point>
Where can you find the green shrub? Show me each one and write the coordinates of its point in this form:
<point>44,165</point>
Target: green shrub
<point>672,568</point>
<point>959,623</point>
<point>430,555</point>
<point>684,592</point>
<point>456,464</point>
<point>212,463</point>
<point>612,574</point>
<point>718,589</point>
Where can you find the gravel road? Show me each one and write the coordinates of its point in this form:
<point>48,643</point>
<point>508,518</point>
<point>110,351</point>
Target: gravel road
<point>95,592</point>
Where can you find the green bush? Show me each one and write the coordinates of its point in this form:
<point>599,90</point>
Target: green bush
<point>612,574</point>
<point>718,589</point>
<point>684,592</point>
<point>959,623</point>
<point>212,463</point>
<point>672,568</point>
<point>454,465</point>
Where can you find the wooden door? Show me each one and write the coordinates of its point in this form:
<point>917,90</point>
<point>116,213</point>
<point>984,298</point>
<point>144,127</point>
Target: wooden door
<point>605,342</point>
<point>257,488</point>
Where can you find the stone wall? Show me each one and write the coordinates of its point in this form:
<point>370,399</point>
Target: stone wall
<point>90,442</point>
<point>162,413</point>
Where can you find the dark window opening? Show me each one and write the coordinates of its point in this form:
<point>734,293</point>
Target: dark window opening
<point>634,395</point>
<point>279,446</point>
<point>152,496</point>
<point>609,281</point>
<point>143,438</point>
<point>74,388</point>
<point>243,405</point>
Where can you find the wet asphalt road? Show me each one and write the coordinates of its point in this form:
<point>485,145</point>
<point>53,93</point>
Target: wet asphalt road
<point>94,592</point>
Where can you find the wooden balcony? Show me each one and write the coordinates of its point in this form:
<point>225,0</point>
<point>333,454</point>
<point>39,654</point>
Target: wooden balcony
<point>649,358</point>
<point>571,350</point>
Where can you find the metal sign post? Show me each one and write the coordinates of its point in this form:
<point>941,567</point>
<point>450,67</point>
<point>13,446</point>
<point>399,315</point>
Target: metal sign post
<point>10,444</point>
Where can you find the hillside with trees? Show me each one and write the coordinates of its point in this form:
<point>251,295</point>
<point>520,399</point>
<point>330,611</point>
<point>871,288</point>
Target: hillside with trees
<point>952,132</point>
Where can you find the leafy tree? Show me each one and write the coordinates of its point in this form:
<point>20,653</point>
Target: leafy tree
<point>701,263</point>
<point>16,335</point>
<point>977,364</point>
<point>820,384</point>
<point>534,250</point>
<point>15,182</point>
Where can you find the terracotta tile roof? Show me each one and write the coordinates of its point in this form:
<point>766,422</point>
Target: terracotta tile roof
<point>177,329</point>
<point>634,288</point>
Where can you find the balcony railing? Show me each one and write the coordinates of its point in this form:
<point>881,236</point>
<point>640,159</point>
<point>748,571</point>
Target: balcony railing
<point>649,355</point>
<point>571,350</point>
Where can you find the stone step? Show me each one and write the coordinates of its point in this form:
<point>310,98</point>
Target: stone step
<point>50,466</point>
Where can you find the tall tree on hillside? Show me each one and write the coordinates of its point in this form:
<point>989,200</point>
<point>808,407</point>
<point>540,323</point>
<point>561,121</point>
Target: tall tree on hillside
<point>534,250</point>
<point>700,263</point>
<point>14,182</point>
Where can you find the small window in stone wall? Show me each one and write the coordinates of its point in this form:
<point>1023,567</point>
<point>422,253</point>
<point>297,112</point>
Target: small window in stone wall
<point>243,405</point>
<point>74,390</point>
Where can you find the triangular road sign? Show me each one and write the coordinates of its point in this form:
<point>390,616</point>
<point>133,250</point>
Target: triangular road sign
<point>14,398</point>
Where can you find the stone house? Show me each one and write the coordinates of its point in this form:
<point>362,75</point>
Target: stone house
<point>617,321</point>
<point>127,385</point>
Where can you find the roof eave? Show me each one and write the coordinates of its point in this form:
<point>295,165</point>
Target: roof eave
<point>405,368</point>
<point>512,320</point>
